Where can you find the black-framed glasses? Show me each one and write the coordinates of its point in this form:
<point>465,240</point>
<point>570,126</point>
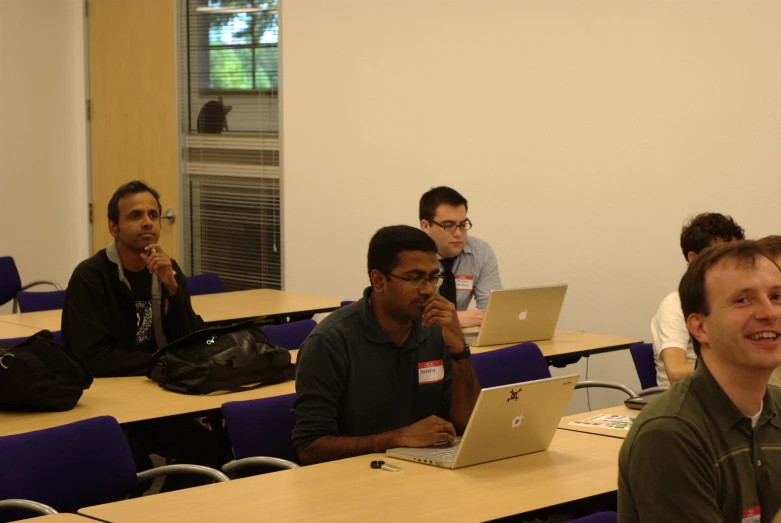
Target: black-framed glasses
<point>451,227</point>
<point>420,281</point>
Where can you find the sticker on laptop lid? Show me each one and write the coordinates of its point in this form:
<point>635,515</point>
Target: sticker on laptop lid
<point>464,282</point>
<point>431,371</point>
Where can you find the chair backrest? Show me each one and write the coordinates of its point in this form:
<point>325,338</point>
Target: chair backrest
<point>345,303</point>
<point>599,517</point>
<point>206,283</point>
<point>289,335</point>
<point>40,301</point>
<point>10,281</point>
<point>68,467</point>
<point>262,427</point>
<point>643,356</point>
<point>57,335</point>
<point>13,341</point>
<point>515,364</point>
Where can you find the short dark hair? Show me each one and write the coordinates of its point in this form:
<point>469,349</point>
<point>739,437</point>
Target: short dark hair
<point>694,296</point>
<point>436,197</point>
<point>388,242</point>
<point>133,187</point>
<point>772,245</point>
<point>699,232</point>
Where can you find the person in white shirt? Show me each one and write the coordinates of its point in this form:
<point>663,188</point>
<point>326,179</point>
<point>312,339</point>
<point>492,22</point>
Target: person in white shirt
<point>673,352</point>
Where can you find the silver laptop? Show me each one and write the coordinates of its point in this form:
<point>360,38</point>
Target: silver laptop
<point>507,421</point>
<point>518,315</point>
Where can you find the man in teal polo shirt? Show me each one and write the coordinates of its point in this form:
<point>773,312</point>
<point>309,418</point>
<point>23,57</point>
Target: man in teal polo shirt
<point>709,449</point>
<point>390,370</point>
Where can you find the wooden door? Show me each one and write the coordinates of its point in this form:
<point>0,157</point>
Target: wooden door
<point>133,121</point>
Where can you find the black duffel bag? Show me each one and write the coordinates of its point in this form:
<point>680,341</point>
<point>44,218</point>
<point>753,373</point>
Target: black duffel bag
<point>40,375</point>
<point>231,359</point>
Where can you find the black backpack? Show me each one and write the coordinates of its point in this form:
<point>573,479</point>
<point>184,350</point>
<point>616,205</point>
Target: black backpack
<point>40,375</point>
<point>233,358</point>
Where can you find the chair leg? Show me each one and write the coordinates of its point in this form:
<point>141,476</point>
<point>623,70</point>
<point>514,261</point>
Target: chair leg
<point>216,423</point>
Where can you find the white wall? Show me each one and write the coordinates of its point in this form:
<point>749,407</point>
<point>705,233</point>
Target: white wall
<point>582,133</point>
<point>43,144</point>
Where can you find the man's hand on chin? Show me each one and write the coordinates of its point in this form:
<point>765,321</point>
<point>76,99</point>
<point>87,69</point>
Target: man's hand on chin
<point>159,264</point>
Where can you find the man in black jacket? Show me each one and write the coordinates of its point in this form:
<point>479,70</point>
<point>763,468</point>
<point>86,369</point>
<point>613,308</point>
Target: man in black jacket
<point>129,299</point>
<point>124,303</point>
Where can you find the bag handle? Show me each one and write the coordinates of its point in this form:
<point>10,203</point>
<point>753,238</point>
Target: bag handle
<point>215,386</point>
<point>210,387</point>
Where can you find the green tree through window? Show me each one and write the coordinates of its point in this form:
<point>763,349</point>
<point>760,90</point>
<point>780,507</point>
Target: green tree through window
<point>242,44</point>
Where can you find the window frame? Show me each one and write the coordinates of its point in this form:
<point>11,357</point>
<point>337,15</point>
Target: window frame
<point>202,53</point>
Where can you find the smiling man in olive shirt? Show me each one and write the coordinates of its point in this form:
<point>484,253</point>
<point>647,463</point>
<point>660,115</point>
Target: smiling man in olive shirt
<point>709,449</point>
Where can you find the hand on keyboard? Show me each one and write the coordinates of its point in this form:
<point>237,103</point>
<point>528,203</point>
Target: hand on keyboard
<point>424,433</point>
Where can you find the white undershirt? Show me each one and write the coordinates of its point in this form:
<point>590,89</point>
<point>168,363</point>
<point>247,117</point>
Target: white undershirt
<point>755,417</point>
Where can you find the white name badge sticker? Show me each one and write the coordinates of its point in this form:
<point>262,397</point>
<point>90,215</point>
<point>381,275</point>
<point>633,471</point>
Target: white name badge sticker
<point>752,515</point>
<point>464,282</point>
<point>431,371</point>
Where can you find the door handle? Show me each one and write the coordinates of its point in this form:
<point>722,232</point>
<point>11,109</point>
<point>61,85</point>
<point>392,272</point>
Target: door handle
<point>169,215</point>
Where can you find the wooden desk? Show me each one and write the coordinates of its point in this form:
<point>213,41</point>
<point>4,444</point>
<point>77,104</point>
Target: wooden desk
<point>568,344</point>
<point>63,518</point>
<point>602,431</point>
<point>576,466</point>
<point>228,306</point>
<point>137,398</point>
<point>131,399</point>
<point>222,307</point>
<point>12,330</point>
<point>49,320</point>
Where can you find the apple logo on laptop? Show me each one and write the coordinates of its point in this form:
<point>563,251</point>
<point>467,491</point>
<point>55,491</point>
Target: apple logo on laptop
<point>517,420</point>
<point>522,315</point>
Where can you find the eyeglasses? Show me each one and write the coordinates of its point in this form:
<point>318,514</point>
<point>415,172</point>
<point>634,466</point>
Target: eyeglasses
<point>451,227</point>
<point>421,281</point>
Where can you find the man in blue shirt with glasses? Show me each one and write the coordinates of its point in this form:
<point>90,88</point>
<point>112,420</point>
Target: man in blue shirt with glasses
<point>467,263</point>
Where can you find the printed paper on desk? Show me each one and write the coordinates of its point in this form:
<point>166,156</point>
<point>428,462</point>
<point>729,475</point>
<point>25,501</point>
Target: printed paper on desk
<point>431,371</point>
<point>606,421</point>
<point>464,282</point>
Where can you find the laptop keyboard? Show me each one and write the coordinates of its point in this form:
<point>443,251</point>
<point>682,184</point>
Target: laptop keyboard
<point>446,454</point>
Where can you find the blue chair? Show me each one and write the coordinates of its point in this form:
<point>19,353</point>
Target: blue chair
<point>289,335</point>
<point>11,282</point>
<point>643,356</point>
<point>261,433</point>
<point>346,303</point>
<point>57,336</point>
<point>73,466</point>
<point>521,363</point>
<point>40,301</point>
<point>206,283</point>
<point>515,364</point>
<point>13,341</point>
<point>599,517</point>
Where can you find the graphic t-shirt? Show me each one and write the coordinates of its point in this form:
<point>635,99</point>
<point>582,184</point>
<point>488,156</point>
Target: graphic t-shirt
<point>141,287</point>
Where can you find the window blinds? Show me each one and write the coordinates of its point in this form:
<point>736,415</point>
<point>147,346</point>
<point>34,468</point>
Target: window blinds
<point>229,78</point>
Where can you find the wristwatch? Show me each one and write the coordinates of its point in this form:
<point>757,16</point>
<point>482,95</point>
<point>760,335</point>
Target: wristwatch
<point>455,356</point>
